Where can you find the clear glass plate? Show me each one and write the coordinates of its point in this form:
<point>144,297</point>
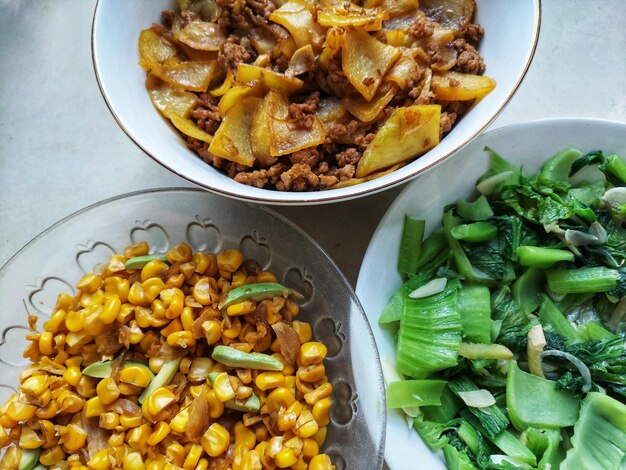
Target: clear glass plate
<point>56,260</point>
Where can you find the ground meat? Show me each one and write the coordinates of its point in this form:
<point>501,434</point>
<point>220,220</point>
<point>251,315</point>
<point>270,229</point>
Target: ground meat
<point>350,156</point>
<point>469,59</point>
<point>446,123</point>
<point>345,173</point>
<point>279,60</point>
<point>262,8</point>
<point>309,156</point>
<point>256,178</point>
<point>326,181</point>
<point>187,17</point>
<point>303,114</point>
<point>299,177</point>
<point>231,54</point>
<point>207,114</point>
<point>474,32</point>
<point>343,133</point>
<point>369,81</point>
<point>422,28</point>
<point>167,18</point>
<point>364,140</point>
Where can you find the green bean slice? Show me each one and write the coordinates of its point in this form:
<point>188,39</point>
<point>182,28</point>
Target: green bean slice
<point>257,292</point>
<point>139,262</point>
<point>232,357</point>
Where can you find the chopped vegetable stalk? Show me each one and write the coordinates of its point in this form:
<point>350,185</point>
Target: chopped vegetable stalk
<point>557,168</point>
<point>527,290</point>
<point>394,308</point>
<point>599,439</point>
<point>616,166</point>
<point>484,351</point>
<point>139,262</point>
<point>540,257</point>
<point>411,244</point>
<point>256,292</point>
<point>432,246</point>
<point>430,432</point>
<point>411,393</point>
<point>29,459</point>
<point>430,333</point>
<point>457,460</point>
<point>476,232</point>
<point>164,377</point>
<point>545,444</point>
<point>582,280</point>
<point>449,408</point>
<point>476,210</point>
<point>232,357</point>
<point>535,402</point>
<point>550,314</point>
<point>475,309</point>
<point>509,444</point>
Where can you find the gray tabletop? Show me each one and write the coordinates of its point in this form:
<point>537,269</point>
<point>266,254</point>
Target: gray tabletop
<point>60,149</point>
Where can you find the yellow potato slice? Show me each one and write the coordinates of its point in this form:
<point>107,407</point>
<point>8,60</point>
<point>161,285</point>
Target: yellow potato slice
<point>237,93</point>
<point>297,17</point>
<point>191,76</point>
<point>373,176</point>
<point>232,139</point>
<point>225,86</point>
<point>154,49</point>
<point>349,14</point>
<point>268,79</point>
<point>302,61</point>
<point>330,111</point>
<point>367,111</point>
<point>169,100</point>
<point>454,86</point>
<point>403,70</point>
<point>365,61</point>
<point>188,127</point>
<point>393,7</point>
<point>260,135</point>
<point>200,35</point>
<point>451,13</point>
<point>408,132</point>
<point>196,55</point>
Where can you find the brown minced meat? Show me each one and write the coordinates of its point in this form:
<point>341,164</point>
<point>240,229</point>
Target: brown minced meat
<point>335,160</point>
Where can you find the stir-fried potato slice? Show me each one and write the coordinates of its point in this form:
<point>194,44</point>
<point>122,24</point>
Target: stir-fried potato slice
<point>168,99</point>
<point>237,93</point>
<point>409,131</point>
<point>200,35</point>
<point>456,14</point>
<point>348,14</point>
<point>330,111</point>
<point>261,131</point>
<point>225,86</point>
<point>365,61</point>
<point>190,76</point>
<point>302,61</point>
<point>154,49</point>
<point>455,86</point>
<point>268,79</point>
<point>297,17</point>
<point>197,55</point>
<point>368,111</point>
<point>232,139</point>
<point>403,71</point>
<point>394,7</point>
<point>189,127</point>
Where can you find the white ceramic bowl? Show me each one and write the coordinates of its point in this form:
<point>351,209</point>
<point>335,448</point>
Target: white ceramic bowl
<point>511,31</point>
<point>528,144</point>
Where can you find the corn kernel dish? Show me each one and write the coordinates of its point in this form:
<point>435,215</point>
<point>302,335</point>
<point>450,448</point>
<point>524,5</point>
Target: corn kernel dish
<point>301,95</point>
<point>169,361</point>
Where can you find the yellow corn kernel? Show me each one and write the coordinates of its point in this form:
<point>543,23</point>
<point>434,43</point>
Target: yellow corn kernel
<point>203,464</point>
<point>137,438</point>
<point>100,461</point>
<point>111,309</point>
<point>274,317</point>
<point>72,375</point>
<point>321,411</point>
<point>202,261</point>
<point>55,322</point>
<point>244,437</point>
<point>75,341</point>
<point>251,461</point>
<point>18,411</point>
<point>266,276</point>
<point>52,456</point>
<point>242,308</point>
<point>74,321</point>
<point>320,462</point>
<point>310,448</point>
<point>183,339</point>
<point>179,422</point>
<point>233,331</point>
<point>107,391</point>
<point>306,426</point>
<point>73,437</point>
<point>136,295</point>
<point>34,385</point>
<point>320,436</point>
<point>45,343</point>
<point>92,300</point>
<point>201,291</point>
<point>152,464</point>
<point>212,331</point>
<point>116,285</point>
<point>216,406</point>
<point>47,412</point>
<point>152,288</point>
<point>319,393</point>
<point>4,438</point>
<point>288,369</point>
<point>135,375</point>
<point>29,439</point>
<point>267,380</point>
<point>181,253</point>
<point>70,402</point>
<point>223,388</point>
<point>187,318</point>
<point>153,269</point>
<point>143,317</point>
<point>311,373</point>
<point>285,458</point>
<point>116,439</point>
<point>296,444</point>
<point>229,260</point>
<point>159,432</point>
<point>312,352</point>
<point>287,419</point>
<point>157,401</point>
<point>300,464</point>
<point>155,363</point>
<point>280,398</point>
<point>86,386</point>
<point>109,420</point>
<point>126,313</point>
<point>89,283</point>
<point>176,305</point>
<point>138,249</point>
<point>215,440</point>
<point>94,407</point>
<point>133,461</point>
<point>193,456</point>
<point>128,422</point>
<point>136,334</point>
<point>175,453</point>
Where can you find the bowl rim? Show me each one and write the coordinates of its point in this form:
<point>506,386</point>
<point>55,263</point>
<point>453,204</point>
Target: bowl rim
<point>326,196</point>
<point>174,189</point>
<point>565,120</point>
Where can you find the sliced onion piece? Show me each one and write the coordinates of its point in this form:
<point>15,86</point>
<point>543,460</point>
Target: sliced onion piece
<point>430,288</point>
<point>488,185</point>
<point>477,398</point>
<point>580,365</point>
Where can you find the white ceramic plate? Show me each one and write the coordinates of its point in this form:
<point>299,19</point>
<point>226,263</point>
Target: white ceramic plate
<point>528,144</point>
<point>511,32</point>
<point>57,259</point>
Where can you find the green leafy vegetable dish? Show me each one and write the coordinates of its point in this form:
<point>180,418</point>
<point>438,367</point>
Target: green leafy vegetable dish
<point>511,323</point>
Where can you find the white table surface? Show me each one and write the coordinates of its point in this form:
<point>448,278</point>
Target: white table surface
<point>60,149</point>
